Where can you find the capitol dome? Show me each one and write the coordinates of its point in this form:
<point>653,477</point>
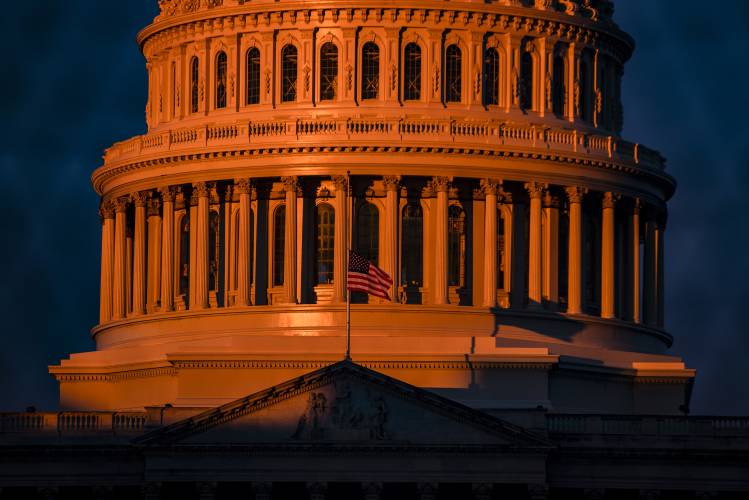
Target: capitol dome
<point>472,150</point>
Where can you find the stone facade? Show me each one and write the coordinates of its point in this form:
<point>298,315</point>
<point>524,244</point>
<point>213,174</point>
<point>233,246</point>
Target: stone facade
<point>472,150</point>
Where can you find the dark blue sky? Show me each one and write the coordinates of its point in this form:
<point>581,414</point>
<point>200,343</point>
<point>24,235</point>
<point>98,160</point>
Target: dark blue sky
<point>74,82</point>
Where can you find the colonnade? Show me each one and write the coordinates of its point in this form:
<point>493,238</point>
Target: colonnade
<point>533,246</point>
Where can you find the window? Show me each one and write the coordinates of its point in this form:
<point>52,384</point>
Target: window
<point>279,244</point>
<point>370,73</point>
<point>491,77</point>
<point>456,247</point>
<point>412,245</point>
<point>221,80</point>
<point>214,252</point>
<point>324,243</point>
<point>328,71</point>
<point>584,79</point>
<point>253,76</point>
<point>368,232</point>
<point>412,72</point>
<point>288,73</point>
<point>501,256</point>
<point>453,70</point>
<point>558,86</point>
<point>194,85</point>
<point>174,89</point>
<point>184,258</point>
<point>525,85</point>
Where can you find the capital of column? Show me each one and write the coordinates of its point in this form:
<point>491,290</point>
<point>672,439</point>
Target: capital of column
<point>140,199</point>
<point>341,183</point>
<point>636,206</point>
<point>575,194</point>
<point>167,193</point>
<point>154,206</point>
<point>290,184</point>
<point>551,201</point>
<point>121,204</point>
<point>201,189</point>
<point>242,186</point>
<point>536,190</point>
<point>610,199</point>
<point>106,209</point>
<point>440,184</point>
<point>491,186</point>
<point>391,182</point>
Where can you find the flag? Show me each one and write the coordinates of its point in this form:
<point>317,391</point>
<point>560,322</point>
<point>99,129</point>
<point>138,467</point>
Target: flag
<point>363,276</point>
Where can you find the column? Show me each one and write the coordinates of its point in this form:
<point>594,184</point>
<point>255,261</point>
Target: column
<point>119,302</point>
<point>649,293</point>
<point>107,261</point>
<point>535,192</point>
<point>575,254</point>
<point>660,275</point>
<point>153,284</point>
<point>340,252</point>
<point>139,254</point>
<point>167,250</point>
<point>551,252</point>
<point>634,248</point>
<point>392,212</point>
<point>490,188</point>
<point>201,248</point>
<point>291,185</point>
<point>441,186</point>
<point>128,270</point>
<point>242,186</point>
<point>607,257</point>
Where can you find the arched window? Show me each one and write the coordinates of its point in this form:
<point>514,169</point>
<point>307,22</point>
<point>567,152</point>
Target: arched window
<point>456,246</point>
<point>288,73</point>
<point>412,246</point>
<point>368,232</point>
<point>253,76</point>
<point>584,81</point>
<point>491,77</point>
<point>558,86</point>
<point>328,71</point>
<point>184,258</point>
<point>412,72</point>
<point>453,74</point>
<point>214,253</point>
<point>279,244</point>
<point>324,243</point>
<point>525,86</point>
<point>221,80</point>
<point>194,85</point>
<point>370,73</point>
<point>501,254</point>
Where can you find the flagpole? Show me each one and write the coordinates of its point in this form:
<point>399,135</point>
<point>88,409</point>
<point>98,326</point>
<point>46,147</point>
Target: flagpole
<point>348,263</point>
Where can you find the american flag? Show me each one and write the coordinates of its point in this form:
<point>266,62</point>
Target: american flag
<point>363,276</point>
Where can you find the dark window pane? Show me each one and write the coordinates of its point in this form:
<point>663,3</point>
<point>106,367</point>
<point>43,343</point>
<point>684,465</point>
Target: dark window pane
<point>456,247</point>
<point>558,86</point>
<point>279,244</point>
<point>491,77</point>
<point>412,245</point>
<point>194,85</point>
<point>288,73</point>
<point>370,84</point>
<point>184,257</point>
<point>412,72</point>
<point>453,70</point>
<point>526,81</point>
<point>324,243</point>
<point>368,232</point>
<point>221,80</point>
<point>253,76</point>
<point>501,262</point>
<point>328,71</point>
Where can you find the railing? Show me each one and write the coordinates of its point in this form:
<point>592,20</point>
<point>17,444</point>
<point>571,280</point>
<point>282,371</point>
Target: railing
<point>390,130</point>
<point>72,423</point>
<point>647,425</point>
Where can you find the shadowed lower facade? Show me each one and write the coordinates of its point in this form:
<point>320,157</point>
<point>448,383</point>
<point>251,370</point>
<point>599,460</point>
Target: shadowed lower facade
<point>471,150</point>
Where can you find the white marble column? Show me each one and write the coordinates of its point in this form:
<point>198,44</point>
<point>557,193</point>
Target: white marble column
<point>575,255</point>
<point>490,188</point>
<point>167,250</point>
<point>201,247</point>
<point>441,186</point>
<point>291,186</point>
<point>119,299</point>
<point>107,261</point>
<point>551,252</point>
<point>242,186</point>
<point>340,235</point>
<point>608,256</point>
<point>635,312</point>
<point>535,193</point>
<point>153,280</point>
<point>139,254</point>
<point>392,212</point>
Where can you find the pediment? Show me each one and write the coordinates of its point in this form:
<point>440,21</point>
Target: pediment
<point>344,403</point>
